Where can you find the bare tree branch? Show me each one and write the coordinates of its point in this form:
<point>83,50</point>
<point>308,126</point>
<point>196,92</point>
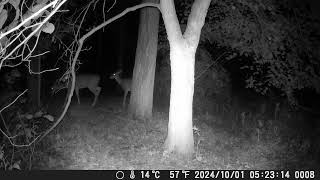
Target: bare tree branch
<point>75,58</point>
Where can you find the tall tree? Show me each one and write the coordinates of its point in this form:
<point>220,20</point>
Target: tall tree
<point>182,59</point>
<point>141,101</point>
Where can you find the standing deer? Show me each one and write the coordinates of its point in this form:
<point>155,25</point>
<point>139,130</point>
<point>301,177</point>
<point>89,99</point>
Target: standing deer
<point>90,81</point>
<point>125,84</point>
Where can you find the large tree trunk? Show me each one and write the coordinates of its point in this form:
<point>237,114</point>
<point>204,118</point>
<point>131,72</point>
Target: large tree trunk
<point>141,100</point>
<point>182,60</point>
<point>180,134</point>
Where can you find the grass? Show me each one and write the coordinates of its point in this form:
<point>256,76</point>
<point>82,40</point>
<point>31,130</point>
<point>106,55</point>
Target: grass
<point>105,138</point>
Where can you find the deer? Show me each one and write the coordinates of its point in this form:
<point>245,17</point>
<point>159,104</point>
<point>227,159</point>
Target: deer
<point>90,81</point>
<point>125,84</point>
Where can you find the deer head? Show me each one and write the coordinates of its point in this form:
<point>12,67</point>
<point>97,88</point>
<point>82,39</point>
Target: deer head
<point>116,74</point>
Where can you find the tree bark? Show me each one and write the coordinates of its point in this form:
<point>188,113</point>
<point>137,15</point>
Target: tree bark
<point>141,100</point>
<point>182,59</point>
<point>180,134</point>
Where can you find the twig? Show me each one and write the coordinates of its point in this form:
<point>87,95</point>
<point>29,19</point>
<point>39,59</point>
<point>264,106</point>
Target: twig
<point>13,101</point>
<point>212,63</point>
<point>56,7</point>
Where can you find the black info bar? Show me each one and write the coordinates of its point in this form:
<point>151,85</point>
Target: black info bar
<point>162,174</point>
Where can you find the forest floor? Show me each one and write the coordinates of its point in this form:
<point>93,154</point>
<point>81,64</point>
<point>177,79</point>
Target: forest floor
<point>104,137</point>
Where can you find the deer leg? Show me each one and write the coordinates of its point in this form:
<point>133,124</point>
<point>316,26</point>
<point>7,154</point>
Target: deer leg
<point>124,99</point>
<point>77,94</point>
<point>96,93</point>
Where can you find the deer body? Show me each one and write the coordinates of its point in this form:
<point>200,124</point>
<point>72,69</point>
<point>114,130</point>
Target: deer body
<point>125,84</point>
<point>90,81</point>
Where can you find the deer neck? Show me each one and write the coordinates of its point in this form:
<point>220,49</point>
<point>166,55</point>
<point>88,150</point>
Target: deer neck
<point>118,79</point>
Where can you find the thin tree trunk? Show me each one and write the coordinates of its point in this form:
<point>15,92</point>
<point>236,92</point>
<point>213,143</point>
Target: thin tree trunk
<point>141,100</point>
<point>34,85</point>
